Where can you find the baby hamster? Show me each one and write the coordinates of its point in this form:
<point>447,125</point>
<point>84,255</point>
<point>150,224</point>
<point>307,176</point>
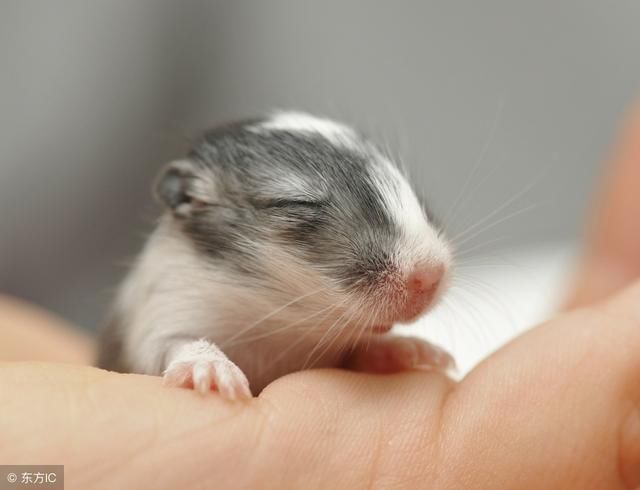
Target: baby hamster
<point>288,242</point>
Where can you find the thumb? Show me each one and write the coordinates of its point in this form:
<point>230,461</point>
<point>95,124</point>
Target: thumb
<point>611,259</point>
<point>559,407</point>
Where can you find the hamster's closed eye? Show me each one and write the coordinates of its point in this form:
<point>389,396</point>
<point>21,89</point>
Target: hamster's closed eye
<point>293,203</point>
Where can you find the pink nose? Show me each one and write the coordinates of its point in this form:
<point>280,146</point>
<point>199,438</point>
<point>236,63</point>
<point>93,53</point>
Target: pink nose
<point>422,286</point>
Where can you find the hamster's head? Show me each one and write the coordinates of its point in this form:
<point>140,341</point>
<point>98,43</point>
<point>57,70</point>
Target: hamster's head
<point>305,210</point>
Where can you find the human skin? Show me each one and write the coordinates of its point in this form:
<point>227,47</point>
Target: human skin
<point>559,407</point>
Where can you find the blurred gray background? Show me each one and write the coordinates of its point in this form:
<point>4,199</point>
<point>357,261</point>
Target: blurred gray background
<point>511,105</point>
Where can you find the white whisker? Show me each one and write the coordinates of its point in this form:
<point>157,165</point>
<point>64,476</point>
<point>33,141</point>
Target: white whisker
<point>271,314</point>
<point>479,160</point>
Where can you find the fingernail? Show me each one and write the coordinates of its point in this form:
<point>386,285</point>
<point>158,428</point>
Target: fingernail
<point>630,451</point>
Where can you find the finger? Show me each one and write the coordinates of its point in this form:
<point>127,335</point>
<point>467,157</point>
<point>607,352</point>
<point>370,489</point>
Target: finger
<point>122,431</point>
<point>557,408</point>
<point>612,255</point>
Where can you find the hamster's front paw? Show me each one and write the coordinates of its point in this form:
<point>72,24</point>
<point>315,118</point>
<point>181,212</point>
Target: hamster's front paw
<point>394,354</point>
<point>204,366</point>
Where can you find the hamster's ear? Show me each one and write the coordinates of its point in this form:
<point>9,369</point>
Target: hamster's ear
<point>176,188</point>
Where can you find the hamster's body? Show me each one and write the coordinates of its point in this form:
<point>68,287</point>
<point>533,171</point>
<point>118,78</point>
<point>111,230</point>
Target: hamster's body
<point>289,242</point>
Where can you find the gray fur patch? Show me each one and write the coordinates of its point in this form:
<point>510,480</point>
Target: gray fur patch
<point>319,201</point>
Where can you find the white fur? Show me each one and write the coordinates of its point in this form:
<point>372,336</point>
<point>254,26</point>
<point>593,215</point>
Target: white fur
<point>422,245</point>
<point>336,133</point>
<point>173,297</point>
